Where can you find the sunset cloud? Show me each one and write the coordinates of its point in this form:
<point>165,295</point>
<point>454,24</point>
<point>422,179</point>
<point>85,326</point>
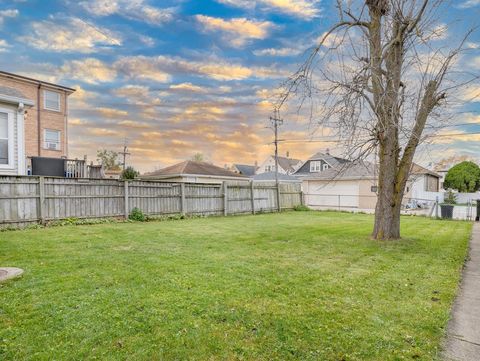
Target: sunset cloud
<point>237,31</point>
<point>138,10</point>
<point>161,68</point>
<point>89,70</point>
<point>69,35</point>
<point>307,9</point>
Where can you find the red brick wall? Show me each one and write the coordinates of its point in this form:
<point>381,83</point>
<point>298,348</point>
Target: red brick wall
<point>48,119</point>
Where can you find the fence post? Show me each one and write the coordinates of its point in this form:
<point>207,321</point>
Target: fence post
<point>436,207</point>
<point>339,208</point>
<point>41,203</point>
<point>182,198</point>
<point>126,198</point>
<point>301,198</point>
<point>252,196</point>
<point>225,199</point>
<point>279,206</point>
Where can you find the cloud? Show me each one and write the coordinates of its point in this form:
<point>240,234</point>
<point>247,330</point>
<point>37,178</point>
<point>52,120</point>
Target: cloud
<point>237,31</point>
<point>137,94</point>
<point>89,70</point>
<point>278,52</point>
<point>306,9</point>
<point>469,4</point>
<point>71,35</point>
<point>4,45</point>
<point>11,13</point>
<point>160,68</point>
<point>138,10</point>
<point>111,112</point>
<point>189,87</point>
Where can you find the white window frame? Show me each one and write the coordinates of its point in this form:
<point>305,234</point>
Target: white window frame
<point>59,144</point>
<point>45,100</point>
<point>11,141</point>
<point>315,166</point>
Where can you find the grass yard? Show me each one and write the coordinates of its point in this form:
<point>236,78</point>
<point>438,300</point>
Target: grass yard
<point>291,286</point>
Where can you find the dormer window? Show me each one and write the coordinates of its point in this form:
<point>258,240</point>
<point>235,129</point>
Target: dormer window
<point>325,166</point>
<point>51,100</point>
<point>315,166</point>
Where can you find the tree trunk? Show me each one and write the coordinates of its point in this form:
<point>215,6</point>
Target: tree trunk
<point>390,194</point>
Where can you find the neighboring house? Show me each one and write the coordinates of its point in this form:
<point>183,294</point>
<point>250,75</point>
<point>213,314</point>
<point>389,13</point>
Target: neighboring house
<point>286,165</point>
<point>270,177</point>
<point>243,169</point>
<point>344,186</point>
<point>425,183</point>
<point>33,121</point>
<point>319,162</point>
<point>354,185</point>
<point>112,173</point>
<point>195,172</point>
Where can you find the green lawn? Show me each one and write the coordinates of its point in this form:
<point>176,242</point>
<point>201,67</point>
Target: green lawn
<point>291,286</point>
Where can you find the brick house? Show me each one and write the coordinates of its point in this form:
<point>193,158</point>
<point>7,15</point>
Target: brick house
<point>33,121</point>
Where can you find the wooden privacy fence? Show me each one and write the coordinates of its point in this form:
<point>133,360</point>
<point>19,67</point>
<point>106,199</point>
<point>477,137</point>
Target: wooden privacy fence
<point>25,199</point>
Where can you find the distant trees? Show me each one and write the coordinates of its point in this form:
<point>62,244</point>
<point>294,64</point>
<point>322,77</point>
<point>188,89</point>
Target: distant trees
<point>198,157</point>
<point>464,177</point>
<point>108,158</point>
<point>129,173</point>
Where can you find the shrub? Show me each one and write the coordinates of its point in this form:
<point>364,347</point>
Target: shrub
<point>301,208</point>
<point>137,215</point>
<point>129,173</point>
<point>463,177</point>
<point>450,197</point>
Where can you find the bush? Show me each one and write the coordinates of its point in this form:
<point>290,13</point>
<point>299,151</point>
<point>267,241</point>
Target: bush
<point>301,208</point>
<point>129,173</point>
<point>137,215</point>
<point>463,177</point>
<point>450,197</point>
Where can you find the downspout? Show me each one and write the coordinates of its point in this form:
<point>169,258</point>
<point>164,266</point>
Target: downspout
<point>39,128</point>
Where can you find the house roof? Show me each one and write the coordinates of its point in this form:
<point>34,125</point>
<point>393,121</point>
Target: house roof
<point>345,171</point>
<point>330,159</point>
<point>270,176</point>
<point>36,81</point>
<point>360,170</point>
<point>288,163</point>
<point>418,169</point>
<point>247,170</point>
<point>190,167</point>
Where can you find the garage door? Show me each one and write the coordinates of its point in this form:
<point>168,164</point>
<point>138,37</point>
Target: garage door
<point>332,194</point>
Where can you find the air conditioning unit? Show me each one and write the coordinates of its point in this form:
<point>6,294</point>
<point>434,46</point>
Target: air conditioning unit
<point>50,145</point>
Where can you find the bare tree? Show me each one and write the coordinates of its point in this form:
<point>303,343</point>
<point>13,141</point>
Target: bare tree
<point>377,77</point>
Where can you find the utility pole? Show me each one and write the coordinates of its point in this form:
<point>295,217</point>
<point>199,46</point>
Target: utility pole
<point>276,121</point>
<point>125,153</point>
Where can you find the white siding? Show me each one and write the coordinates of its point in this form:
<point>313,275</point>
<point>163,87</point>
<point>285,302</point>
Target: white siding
<point>332,194</point>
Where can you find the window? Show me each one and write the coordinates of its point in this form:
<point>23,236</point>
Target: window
<point>325,166</point>
<point>6,140</point>
<point>315,166</point>
<point>51,100</point>
<point>52,139</point>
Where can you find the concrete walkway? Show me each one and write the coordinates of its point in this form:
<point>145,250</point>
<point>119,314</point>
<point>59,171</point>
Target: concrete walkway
<point>463,335</point>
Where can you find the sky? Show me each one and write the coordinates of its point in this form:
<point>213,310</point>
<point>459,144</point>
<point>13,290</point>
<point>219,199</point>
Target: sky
<point>177,77</point>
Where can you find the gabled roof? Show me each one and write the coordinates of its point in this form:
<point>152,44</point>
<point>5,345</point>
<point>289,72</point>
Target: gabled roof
<point>247,170</point>
<point>418,169</point>
<point>345,171</point>
<point>359,170</point>
<point>190,167</point>
<point>270,176</point>
<point>288,163</point>
<point>330,159</point>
